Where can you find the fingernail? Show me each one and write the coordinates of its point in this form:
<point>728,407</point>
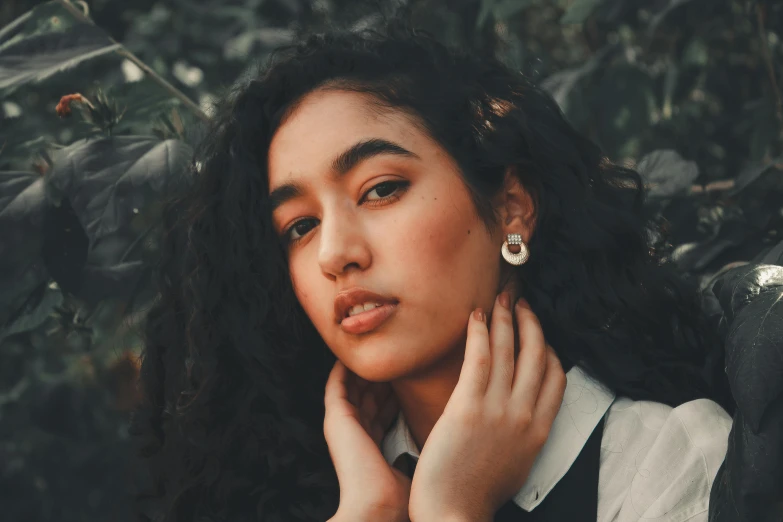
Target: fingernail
<point>478,314</point>
<point>522,304</point>
<point>503,299</point>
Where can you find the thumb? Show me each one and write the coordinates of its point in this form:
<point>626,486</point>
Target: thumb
<point>350,446</point>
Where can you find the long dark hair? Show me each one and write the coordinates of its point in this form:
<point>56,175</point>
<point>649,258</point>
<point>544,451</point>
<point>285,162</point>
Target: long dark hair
<point>233,370</point>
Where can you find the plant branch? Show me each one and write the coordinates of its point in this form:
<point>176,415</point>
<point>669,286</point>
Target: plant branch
<point>141,65</point>
<point>715,186</point>
<point>767,54</point>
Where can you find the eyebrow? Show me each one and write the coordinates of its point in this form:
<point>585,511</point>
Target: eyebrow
<point>341,165</point>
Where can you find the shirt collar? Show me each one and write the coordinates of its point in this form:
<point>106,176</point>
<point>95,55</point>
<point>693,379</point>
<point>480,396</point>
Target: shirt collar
<point>584,404</point>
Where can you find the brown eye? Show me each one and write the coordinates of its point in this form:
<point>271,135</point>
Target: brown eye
<point>386,190</point>
<point>298,229</point>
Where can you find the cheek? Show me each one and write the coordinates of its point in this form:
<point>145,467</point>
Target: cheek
<point>453,239</point>
<point>451,260</point>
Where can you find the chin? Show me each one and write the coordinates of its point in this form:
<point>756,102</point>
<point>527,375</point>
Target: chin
<point>377,372</point>
<point>387,362</point>
<point>374,361</point>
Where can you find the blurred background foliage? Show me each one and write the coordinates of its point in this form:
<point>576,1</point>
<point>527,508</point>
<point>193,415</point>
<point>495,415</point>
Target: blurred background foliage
<point>99,105</point>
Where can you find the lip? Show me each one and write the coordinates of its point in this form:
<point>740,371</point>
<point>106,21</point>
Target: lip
<point>369,320</point>
<point>347,299</point>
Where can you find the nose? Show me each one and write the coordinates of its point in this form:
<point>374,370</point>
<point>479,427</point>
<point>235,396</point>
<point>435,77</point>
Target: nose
<point>343,244</point>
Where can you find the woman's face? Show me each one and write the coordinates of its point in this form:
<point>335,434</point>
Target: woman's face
<point>367,201</point>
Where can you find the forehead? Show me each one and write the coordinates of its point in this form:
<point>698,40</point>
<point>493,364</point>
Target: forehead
<point>327,122</point>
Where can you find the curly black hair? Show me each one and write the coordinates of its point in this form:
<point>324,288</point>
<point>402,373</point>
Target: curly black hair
<point>233,371</point>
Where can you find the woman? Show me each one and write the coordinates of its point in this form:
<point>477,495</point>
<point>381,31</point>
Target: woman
<point>337,308</point>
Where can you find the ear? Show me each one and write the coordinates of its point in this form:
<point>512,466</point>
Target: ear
<point>516,207</point>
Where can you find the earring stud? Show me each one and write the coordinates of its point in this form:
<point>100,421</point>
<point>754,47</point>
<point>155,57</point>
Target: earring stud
<point>515,259</point>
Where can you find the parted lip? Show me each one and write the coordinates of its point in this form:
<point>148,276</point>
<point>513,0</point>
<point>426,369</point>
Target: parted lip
<point>347,299</point>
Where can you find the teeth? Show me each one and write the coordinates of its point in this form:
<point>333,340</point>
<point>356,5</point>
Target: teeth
<point>362,308</point>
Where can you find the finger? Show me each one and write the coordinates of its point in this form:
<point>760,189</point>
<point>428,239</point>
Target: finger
<point>550,397</point>
<point>335,385</point>
<point>501,343</point>
<point>474,375</point>
<point>349,443</point>
<point>531,362</point>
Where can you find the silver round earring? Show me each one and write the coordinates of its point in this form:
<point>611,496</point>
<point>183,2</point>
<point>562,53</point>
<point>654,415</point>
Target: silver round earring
<point>515,259</point>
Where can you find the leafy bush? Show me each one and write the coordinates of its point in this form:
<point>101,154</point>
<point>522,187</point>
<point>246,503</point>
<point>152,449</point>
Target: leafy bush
<point>94,133</point>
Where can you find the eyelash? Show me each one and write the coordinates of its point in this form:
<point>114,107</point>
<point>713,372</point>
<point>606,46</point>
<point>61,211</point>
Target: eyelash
<point>400,187</point>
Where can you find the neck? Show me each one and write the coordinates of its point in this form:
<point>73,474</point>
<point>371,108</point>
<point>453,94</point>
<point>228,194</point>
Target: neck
<point>423,396</point>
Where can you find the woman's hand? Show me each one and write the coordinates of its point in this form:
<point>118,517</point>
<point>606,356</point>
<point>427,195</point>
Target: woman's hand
<point>482,448</point>
<point>358,413</point>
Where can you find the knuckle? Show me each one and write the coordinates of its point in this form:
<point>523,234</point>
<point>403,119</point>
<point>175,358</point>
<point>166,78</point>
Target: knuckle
<point>538,435</point>
<point>524,418</point>
<point>482,361</point>
<point>495,414</point>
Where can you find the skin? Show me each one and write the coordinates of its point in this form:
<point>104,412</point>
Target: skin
<point>423,244</point>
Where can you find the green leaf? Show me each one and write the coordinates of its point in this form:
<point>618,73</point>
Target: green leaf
<point>21,268</point>
<point>107,183</point>
<point>39,56</point>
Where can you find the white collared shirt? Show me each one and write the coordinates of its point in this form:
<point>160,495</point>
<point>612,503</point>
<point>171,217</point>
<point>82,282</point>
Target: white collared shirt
<point>657,462</point>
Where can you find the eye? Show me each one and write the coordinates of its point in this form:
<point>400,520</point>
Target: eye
<point>299,229</point>
<point>386,190</point>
